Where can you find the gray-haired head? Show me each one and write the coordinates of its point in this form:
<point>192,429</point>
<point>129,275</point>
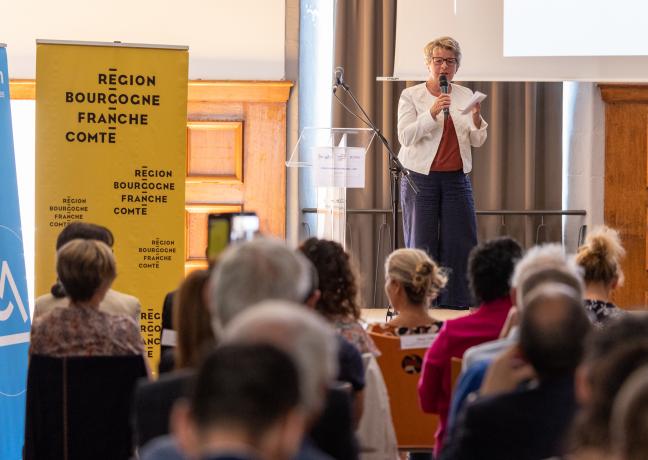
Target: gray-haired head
<point>545,263</point>
<point>252,272</point>
<point>301,333</point>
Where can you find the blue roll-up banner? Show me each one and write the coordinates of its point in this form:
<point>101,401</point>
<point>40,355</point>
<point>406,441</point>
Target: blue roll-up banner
<point>14,309</point>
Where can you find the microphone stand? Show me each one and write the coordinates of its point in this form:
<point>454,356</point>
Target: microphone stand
<point>396,168</point>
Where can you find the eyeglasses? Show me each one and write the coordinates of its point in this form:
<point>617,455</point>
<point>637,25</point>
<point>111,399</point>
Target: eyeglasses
<point>449,61</point>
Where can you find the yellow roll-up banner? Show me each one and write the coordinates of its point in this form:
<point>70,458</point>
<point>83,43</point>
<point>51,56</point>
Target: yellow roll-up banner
<point>111,150</point>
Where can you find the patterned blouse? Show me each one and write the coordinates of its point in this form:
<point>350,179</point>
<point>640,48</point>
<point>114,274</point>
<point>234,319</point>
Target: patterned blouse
<point>354,333</point>
<point>388,329</point>
<point>600,312</point>
<point>84,331</point>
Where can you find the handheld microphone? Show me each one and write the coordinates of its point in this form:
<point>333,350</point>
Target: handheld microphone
<point>443,84</point>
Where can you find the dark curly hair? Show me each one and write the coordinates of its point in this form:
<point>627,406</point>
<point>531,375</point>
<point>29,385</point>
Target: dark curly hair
<point>490,266</point>
<point>337,280</point>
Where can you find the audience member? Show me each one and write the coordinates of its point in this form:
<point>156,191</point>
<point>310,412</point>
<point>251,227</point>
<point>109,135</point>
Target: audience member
<point>629,425</point>
<point>490,268</point>
<point>372,420</point>
<point>412,281</point>
<point>252,272</point>
<point>540,264</point>
<point>527,400</point>
<point>302,334</point>
<point>612,356</point>
<point>191,322</point>
<point>313,345</point>
<point>244,405</point>
<point>265,269</point>
<point>114,302</point>
<point>154,400</point>
<point>168,332</point>
<point>600,258</point>
<point>338,301</point>
<point>86,270</point>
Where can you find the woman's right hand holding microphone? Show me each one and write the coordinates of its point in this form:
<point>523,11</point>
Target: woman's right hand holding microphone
<point>442,102</point>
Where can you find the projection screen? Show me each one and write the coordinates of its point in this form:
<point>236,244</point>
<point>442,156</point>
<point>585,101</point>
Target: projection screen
<point>528,40</point>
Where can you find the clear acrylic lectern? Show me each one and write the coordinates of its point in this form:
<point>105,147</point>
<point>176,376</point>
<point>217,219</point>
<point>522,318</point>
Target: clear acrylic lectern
<point>335,157</point>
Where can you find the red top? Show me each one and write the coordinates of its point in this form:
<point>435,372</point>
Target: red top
<point>454,338</point>
<point>448,157</point>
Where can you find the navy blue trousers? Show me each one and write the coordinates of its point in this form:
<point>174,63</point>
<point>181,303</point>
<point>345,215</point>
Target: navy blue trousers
<point>441,220</point>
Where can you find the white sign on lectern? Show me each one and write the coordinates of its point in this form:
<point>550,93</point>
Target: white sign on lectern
<point>339,167</point>
<point>336,158</point>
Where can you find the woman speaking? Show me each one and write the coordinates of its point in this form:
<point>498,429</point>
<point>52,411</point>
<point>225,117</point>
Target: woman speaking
<point>436,140</point>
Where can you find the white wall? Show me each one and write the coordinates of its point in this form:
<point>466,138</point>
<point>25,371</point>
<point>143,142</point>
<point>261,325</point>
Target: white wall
<point>228,40</point>
<point>22,120</point>
<point>583,157</point>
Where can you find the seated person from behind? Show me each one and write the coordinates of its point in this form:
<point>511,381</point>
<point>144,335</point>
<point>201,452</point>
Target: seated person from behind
<point>192,324</point>
<point>490,267</point>
<point>611,355</point>
<point>244,405</point>
<point>527,400</point>
<point>412,281</point>
<point>539,265</point>
<point>114,302</point>
<point>312,344</point>
<point>629,425</point>
<point>338,302</point>
<point>264,269</point>
<point>600,257</point>
<point>86,269</point>
<point>154,399</point>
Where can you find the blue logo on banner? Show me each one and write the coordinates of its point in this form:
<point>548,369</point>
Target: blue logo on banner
<point>14,311</point>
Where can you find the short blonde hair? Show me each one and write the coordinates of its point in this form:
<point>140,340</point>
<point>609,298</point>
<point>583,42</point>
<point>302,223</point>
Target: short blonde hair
<point>446,43</point>
<point>417,272</point>
<point>83,267</point>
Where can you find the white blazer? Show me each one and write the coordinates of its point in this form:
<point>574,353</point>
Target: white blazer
<point>420,134</point>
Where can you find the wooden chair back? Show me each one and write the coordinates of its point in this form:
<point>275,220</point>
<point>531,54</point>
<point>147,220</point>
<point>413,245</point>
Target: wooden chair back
<point>401,370</point>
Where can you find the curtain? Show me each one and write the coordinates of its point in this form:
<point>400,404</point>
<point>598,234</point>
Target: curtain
<point>519,166</point>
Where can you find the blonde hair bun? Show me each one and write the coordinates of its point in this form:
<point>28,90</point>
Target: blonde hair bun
<point>417,272</point>
<point>601,254</point>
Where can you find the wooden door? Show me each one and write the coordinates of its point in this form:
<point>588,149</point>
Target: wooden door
<point>626,184</point>
<point>236,151</point>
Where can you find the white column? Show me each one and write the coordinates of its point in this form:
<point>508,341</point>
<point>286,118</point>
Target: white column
<point>583,157</point>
